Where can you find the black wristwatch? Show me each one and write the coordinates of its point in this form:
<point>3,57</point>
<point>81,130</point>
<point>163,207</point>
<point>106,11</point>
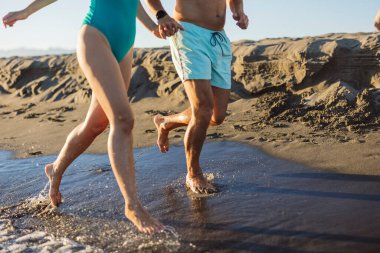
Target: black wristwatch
<point>160,14</point>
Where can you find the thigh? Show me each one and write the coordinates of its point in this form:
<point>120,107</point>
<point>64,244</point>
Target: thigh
<point>199,93</point>
<point>221,98</point>
<point>126,68</point>
<point>103,73</point>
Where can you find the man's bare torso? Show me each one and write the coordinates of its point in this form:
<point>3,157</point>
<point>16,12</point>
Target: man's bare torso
<point>210,14</point>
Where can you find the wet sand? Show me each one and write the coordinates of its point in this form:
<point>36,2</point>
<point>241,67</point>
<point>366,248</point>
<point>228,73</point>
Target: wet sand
<point>265,205</point>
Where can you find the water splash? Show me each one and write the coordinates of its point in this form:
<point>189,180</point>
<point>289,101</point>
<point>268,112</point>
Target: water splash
<point>171,230</point>
<point>167,240</point>
<point>16,240</point>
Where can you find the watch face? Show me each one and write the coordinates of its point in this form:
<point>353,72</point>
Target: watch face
<point>160,14</point>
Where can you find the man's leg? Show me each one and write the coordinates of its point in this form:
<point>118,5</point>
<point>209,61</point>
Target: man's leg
<point>221,98</point>
<point>201,100</point>
<point>165,124</point>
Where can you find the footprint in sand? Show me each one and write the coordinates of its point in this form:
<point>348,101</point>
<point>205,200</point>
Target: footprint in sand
<point>240,128</point>
<point>35,153</point>
<point>33,115</point>
<point>64,109</point>
<point>5,113</point>
<point>56,119</point>
<point>19,111</point>
<point>215,136</point>
<point>156,112</point>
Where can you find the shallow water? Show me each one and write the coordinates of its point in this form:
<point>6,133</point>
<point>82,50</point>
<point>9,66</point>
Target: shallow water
<point>265,205</point>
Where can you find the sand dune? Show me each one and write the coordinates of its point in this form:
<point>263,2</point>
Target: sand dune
<point>321,88</point>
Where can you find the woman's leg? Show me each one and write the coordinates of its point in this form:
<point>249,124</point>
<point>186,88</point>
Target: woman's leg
<point>76,143</point>
<point>103,73</point>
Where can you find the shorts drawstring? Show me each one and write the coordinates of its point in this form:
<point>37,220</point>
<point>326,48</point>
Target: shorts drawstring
<point>216,39</point>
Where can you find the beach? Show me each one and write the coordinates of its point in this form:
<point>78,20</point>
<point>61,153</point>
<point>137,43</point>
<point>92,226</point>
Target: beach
<point>296,160</point>
<point>312,100</point>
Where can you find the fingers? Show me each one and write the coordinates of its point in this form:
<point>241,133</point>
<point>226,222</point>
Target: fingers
<point>235,16</point>
<point>6,18</point>
<point>162,32</point>
<point>180,27</point>
<point>169,27</point>
<point>9,23</point>
<point>167,30</point>
<point>243,22</point>
<point>9,19</point>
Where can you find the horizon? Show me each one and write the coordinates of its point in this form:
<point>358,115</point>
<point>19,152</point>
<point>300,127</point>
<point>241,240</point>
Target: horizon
<point>265,16</point>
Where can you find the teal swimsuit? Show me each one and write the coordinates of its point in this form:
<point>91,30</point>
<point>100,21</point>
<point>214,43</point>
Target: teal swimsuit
<point>116,19</point>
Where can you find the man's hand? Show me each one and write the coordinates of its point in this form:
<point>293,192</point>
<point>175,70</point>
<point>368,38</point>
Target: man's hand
<point>377,21</point>
<point>11,18</point>
<point>242,20</point>
<point>168,27</point>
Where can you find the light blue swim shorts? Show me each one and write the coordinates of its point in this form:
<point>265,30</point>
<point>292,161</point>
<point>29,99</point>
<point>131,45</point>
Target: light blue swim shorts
<point>199,53</point>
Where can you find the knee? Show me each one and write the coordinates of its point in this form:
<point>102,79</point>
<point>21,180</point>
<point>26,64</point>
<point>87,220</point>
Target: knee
<point>202,113</point>
<point>217,120</point>
<point>124,123</point>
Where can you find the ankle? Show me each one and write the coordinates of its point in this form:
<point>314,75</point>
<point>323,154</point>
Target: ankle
<point>132,204</point>
<point>57,168</point>
<point>192,175</point>
<point>164,125</point>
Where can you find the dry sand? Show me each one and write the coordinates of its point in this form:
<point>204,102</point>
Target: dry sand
<point>313,100</point>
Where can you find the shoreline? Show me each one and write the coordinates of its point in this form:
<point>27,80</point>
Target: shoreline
<point>341,152</point>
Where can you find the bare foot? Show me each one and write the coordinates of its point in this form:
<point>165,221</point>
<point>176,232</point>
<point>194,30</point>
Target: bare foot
<point>200,185</point>
<point>163,135</point>
<point>144,222</point>
<point>55,181</point>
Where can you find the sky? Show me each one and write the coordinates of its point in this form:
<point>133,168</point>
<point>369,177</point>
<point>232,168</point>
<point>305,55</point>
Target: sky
<point>57,25</point>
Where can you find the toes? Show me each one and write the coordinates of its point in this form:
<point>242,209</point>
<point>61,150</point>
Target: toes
<point>203,190</point>
<point>197,190</point>
<point>212,189</point>
<point>56,199</point>
<point>157,228</point>
<point>160,227</point>
<point>162,149</point>
<point>149,230</point>
<point>206,191</point>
